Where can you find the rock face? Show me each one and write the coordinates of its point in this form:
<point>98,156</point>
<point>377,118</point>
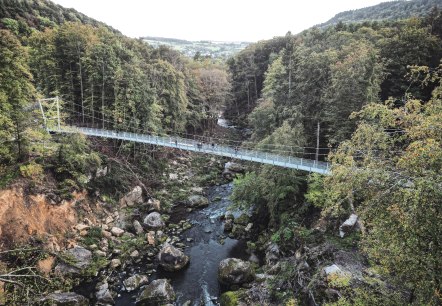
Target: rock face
<point>134,282</point>
<point>153,221</point>
<point>158,292</point>
<point>172,259</point>
<point>133,197</point>
<point>197,201</point>
<point>233,271</point>
<point>81,258</point>
<point>348,225</point>
<point>65,299</point>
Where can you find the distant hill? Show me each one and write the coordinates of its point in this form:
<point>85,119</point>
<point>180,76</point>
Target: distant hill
<point>204,48</point>
<point>392,10</point>
<point>39,14</point>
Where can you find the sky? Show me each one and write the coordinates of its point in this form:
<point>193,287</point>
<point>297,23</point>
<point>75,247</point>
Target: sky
<point>222,20</point>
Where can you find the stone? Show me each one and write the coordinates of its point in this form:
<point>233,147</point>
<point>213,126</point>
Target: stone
<point>158,292</point>
<point>100,253</point>
<point>133,197</point>
<point>198,190</point>
<point>248,227</point>
<point>81,259</point>
<point>134,282</point>
<point>151,238</point>
<point>81,227</point>
<point>106,234</point>
<point>197,201</point>
<point>109,219</point>
<point>348,225</point>
<point>234,271</point>
<point>228,225</point>
<point>154,221</point>
<point>135,254</point>
<point>272,254</point>
<point>231,169</point>
<point>117,232</point>
<point>83,233</point>
<point>103,295</point>
<point>65,299</point>
<point>115,263</point>
<point>171,258</point>
<point>332,269</point>
<point>138,227</point>
<point>154,204</point>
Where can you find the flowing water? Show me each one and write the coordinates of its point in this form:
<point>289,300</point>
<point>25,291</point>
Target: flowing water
<point>198,282</point>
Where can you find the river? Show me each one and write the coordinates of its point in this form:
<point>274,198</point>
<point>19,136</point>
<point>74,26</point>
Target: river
<point>206,245</point>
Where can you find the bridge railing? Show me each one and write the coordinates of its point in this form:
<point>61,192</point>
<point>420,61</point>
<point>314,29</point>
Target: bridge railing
<point>193,145</point>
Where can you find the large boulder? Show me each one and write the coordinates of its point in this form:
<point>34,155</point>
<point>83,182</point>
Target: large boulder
<point>79,259</point>
<point>171,258</point>
<point>231,169</point>
<point>153,221</point>
<point>234,271</point>
<point>158,292</point>
<point>65,299</point>
<point>134,282</point>
<point>197,201</point>
<point>133,197</point>
<point>104,295</point>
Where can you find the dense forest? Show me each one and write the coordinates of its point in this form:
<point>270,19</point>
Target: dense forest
<point>391,10</point>
<point>363,92</point>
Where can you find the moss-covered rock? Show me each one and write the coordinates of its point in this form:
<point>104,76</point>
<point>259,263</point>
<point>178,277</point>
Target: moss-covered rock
<point>234,271</point>
<point>229,298</point>
<point>158,292</point>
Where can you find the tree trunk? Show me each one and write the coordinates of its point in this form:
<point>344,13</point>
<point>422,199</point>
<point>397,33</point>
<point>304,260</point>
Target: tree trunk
<point>317,141</point>
<point>102,96</point>
<point>81,83</point>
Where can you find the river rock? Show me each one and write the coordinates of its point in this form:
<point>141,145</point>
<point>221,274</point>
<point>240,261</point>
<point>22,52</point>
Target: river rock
<point>134,282</point>
<point>117,232</point>
<point>133,197</point>
<point>81,259</point>
<point>234,271</point>
<point>158,292</point>
<point>348,225</point>
<point>138,227</point>
<point>150,236</point>
<point>197,201</point>
<point>272,254</point>
<point>154,221</point>
<point>104,295</point>
<point>154,204</point>
<point>115,263</point>
<point>234,167</point>
<point>65,299</point>
<point>171,258</point>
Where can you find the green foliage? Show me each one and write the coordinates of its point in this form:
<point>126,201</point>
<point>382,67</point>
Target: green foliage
<point>32,170</point>
<point>93,236</point>
<point>393,181</point>
<point>16,93</point>
<point>229,298</point>
<point>75,162</point>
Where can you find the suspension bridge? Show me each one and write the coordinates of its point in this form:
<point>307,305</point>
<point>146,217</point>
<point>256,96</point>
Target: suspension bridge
<point>278,158</point>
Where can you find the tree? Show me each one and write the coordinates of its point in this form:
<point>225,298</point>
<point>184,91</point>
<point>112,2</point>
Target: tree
<point>389,173</point>
<point>16,97</point>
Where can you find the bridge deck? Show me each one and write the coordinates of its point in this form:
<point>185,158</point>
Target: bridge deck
<point>192,145</point>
